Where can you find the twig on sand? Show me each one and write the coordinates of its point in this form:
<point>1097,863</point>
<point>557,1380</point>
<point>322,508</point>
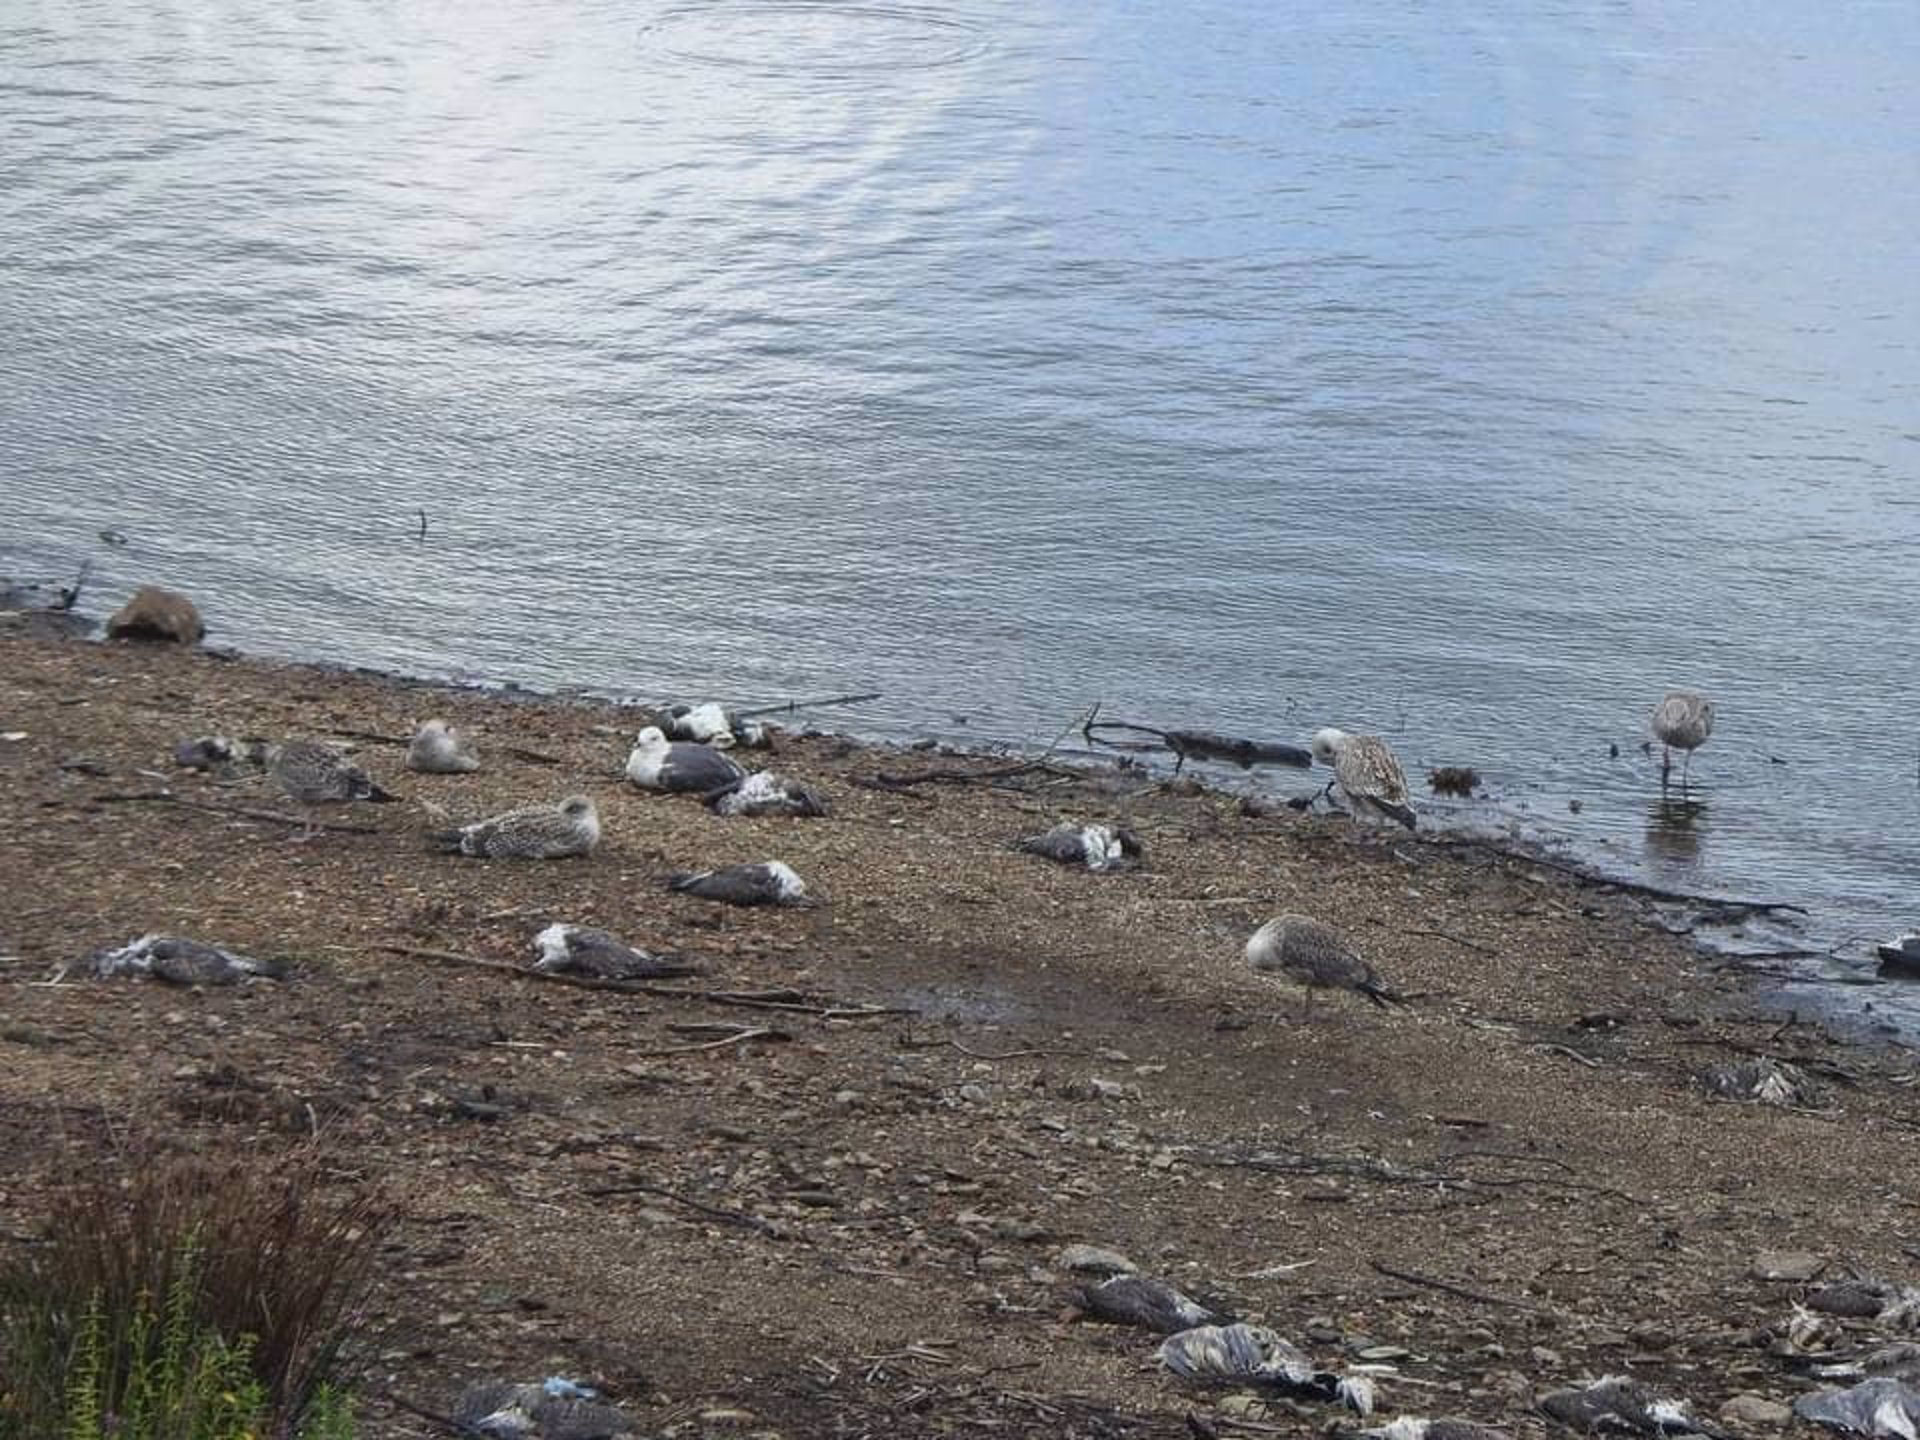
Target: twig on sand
<point>1652,892</point>
<point>791,1001</point>
<point>433,1417</point>
<point>911,1041</point>
<point>1456,939</point>
<point>789,706</point>
<point>243,812</point>
<point>647,1187</point>
<point>739,1037</point>
<point>1465,1292</point>
<point>518,752</point>
<point>950,775</point>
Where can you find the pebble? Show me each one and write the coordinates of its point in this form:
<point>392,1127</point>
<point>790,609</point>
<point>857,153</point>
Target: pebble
<point>1093,1260</point>
<point>1792,1265</point>
<point>973,1094</point>
<point>1755,1410</point>
<point>1546,1358</point>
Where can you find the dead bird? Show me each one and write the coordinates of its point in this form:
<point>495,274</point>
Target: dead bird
<point>1370,778</point>
<point>219,752</point>
<point>711,724</point>
<point>1619,1402</point>
<point>534,832</point>
<point>679,766</point>
<point>1892,1306</point>
<point>313,774</point>
<point>557,1410</point>
<point>1900,956</point>
<point>439,749</point>
<point>1252,1355</point>
<point>1453,780</point>
<point>766,792</point>
<point>1764,1081</point>
<point>585,950</point>
<point>1899,1361</point>
<point>180,961</point>
<point>1098,847</point>
<point>1881,1407</point>
<point>771,883</point>
<point>1147,1303</point>
<point>1413,1427</point>
<point>1315,957</point>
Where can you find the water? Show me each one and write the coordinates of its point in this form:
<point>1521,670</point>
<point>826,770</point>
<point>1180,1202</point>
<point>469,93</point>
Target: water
<point>1467,372</point>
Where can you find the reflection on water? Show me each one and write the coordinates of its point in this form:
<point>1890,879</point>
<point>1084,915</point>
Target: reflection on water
<point>1676,832</point>
<point>1471,374</point>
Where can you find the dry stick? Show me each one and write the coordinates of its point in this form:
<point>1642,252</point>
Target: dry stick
<point>642,1187</point>
<point>458,1427</point>
<point>1457,939</point>
<point>740,1038</point>
<point>888,780</point>
<point>518,752</point>
<point>791,705</point>
<point>1413,1277</point>
<point>167,797</point>
<point>787,1000</point>
<point>914,1042</point>
<point>1636,887</point>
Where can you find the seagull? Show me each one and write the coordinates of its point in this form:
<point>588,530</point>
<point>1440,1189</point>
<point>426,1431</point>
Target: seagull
<point>1148,1303</point>
<point>1764,1081</point>
<point>584,950</point>
<point>1681,721</point>
<point>1619,1402</point>
<point>439,749</point>
<point>769,884</point>
<point>1881,1407</point>
<point>557,1410</point>
<point>1367,774</point>
<point>1414,1427</point>
<point>314,774</point>
<point>1314,956</point>
<point>1098,847</point>
<point>1253,1355</point>
<point>180,961</point>
<point>679,766</point>
<point>535,832</point>
<point>711,724</point>
<point>766,793</point>
<point>1898,1361</point>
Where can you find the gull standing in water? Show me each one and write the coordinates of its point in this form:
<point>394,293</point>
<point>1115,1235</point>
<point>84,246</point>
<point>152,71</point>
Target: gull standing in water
<point>1681,721</point>
<point>1367,773</point>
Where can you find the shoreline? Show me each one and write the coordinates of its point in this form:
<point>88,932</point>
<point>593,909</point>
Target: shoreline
<point>912,1177</point>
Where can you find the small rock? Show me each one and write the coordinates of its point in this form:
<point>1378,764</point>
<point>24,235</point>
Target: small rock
<point>1093,1260</point>
<point>1755,1410</point>
<point>1546,1358</point>
<point>156,614</point>
<point>972,1094</point>
<point>1787,1265</point>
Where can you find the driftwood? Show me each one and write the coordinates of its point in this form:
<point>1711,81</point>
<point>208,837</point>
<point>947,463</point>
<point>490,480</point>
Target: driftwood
<point>790,1001</point>
<point>374,737</point>
<point>789,706</point>
<point>1197,745</point>
<point>1652,892</point>
<point>243,812</point>
<point>951,775</point>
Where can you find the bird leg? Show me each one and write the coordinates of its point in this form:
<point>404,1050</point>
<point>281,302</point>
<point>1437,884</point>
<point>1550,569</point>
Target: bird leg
<point>1666,764</point>
<point>1306,1004</point>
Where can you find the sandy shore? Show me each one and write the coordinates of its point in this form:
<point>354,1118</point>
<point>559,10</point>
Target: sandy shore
<point>849,1225</point>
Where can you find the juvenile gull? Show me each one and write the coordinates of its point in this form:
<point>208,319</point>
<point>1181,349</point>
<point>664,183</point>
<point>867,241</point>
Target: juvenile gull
<point>1368,775</point>
<point>1681,721</point>
<point>313,774</point>
<point>771,883</point>
<point>765,792</point>
<point>1619,1402</point>
<point>1148,1303</point>
<point>679,766</point>
<point>180,961</point>
<point>1243,1355</point>
<point>711,724</point>
<point>439,749</point>
<point>1314,956</point>
<point>535,832</point>
<point>553,1411</point>
<point>586,950</point>
<point>1098,847</point>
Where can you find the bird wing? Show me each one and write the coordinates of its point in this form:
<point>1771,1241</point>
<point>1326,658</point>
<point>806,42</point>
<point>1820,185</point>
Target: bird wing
<point>1368,768</point>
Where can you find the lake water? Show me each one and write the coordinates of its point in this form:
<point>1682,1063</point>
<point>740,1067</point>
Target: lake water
<point>1469,372</point>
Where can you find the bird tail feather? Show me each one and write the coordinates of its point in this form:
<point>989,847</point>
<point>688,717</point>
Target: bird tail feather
<point>448,842</point>
<point>380,796</point>
<point>1402,813</point>
<point>1382,995</point>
